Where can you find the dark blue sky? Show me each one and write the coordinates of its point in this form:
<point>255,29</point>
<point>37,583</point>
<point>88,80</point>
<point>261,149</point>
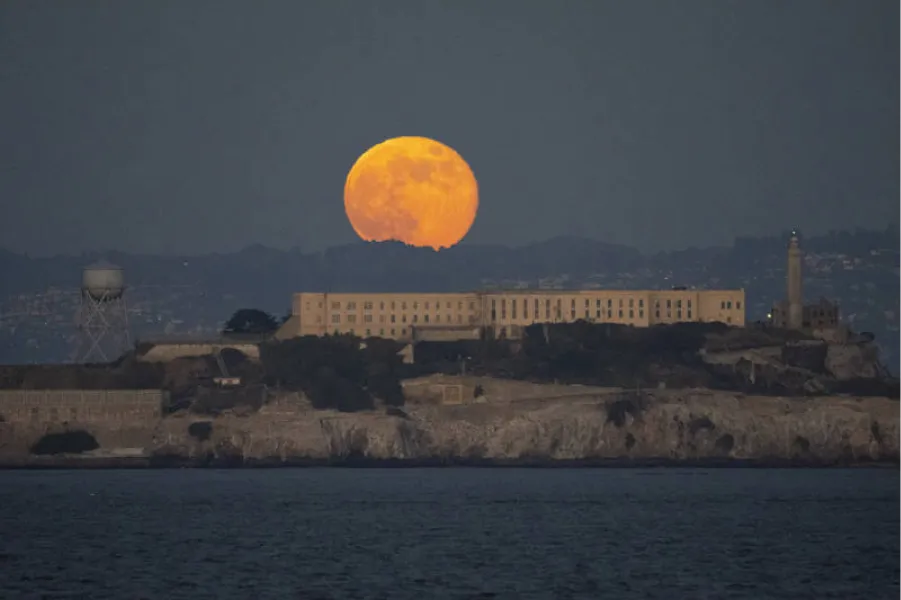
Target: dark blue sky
<point>171,126</point>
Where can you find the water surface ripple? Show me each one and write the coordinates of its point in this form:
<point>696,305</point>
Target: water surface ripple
<point>450,533</point>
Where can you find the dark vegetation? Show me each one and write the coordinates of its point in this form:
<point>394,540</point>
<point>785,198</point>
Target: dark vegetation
<point>250,321</point>
<point>618,411</point>
<point>200,430</point>
<point>725,443</point>
<point>341,371</point>
<point>66,442</point>
<point>667,355</point>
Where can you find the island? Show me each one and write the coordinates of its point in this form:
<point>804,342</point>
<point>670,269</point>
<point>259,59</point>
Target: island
<point>575,393</point>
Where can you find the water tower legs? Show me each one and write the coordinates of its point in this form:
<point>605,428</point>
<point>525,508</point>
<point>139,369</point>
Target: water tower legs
<point>103,328</point>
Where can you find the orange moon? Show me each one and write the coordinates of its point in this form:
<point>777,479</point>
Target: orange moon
<point>413,190</point>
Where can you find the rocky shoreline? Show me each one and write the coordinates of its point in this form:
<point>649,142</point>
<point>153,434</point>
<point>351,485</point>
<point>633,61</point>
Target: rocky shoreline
<point>515,425</point>
<point>212,462</point>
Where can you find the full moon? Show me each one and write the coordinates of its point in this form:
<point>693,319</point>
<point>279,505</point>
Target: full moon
<point>413,190</point>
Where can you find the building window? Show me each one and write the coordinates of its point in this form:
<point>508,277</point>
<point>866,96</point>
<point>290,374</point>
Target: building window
<point>367,318</point>
<point>679,313</point>
<point>678,303</point>
<point>381,318</point>
<point>424,318</point>
<point>641,313</point>
<point>368,333</point>
<point>381,306</point>
<point>723,305</point>
<point>415,318</point>
<point>403,318</point>
<point>738,305</point>
<point>689,303</point>
<point>336,306</point>
<point>729,305</point>
<point>367,306</point>
<point>393,318</point>
<point>416,306</point>
<point>609,302</point>
<point>586,314</point>
<point>426,306</point>
<point>351,318</point>
<point>472,306</point>
<point>392,332</point>
<point>609,313</point>
<point>620,313</point>
<point>657,314</point>
<point>381,332</point>
<point>351,306</point>
<point>598,313</point>
<point>689,313</point>
<point>403,306</point>
<point>631,303</point>
<point>669,303</point>
<point>392,306</point>
<point>336,318</point>
<point>641,303</point>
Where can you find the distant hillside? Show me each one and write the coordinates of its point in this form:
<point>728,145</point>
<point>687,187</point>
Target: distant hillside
<point>192,293</point>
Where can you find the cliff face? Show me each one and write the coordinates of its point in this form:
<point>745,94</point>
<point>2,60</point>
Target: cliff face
<point>502,420</point>
<point>698,425</point>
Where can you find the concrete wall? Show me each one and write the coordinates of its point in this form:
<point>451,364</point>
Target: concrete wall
<point>450,390</point>
<point>121,407</point>
<point>169,352</point>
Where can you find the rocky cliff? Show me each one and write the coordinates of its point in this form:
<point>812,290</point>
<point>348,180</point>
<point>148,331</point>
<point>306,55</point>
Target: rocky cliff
<point>510,421</point>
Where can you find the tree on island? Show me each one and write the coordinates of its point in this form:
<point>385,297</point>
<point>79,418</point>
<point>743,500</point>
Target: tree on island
<point>250,320</point>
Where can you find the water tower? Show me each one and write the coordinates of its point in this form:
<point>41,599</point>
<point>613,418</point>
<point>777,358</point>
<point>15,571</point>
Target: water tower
<point>102,317</point>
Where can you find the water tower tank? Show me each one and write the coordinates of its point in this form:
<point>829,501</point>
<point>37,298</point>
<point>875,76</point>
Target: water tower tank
<point>103,281</point>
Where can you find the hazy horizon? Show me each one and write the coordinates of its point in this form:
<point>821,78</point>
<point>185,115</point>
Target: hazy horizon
<point>784,233</point>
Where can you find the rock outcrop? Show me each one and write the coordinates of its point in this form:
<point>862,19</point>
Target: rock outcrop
<point>541,423</point>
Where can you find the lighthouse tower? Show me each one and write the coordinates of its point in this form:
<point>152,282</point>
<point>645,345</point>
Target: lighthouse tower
<point>793,284</point>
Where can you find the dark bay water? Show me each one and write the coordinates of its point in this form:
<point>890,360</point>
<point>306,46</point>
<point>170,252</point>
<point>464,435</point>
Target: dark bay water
<point>450,533</point>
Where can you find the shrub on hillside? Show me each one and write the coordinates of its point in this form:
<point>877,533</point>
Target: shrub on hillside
<point>67,442</point>
<point>336,371</point>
